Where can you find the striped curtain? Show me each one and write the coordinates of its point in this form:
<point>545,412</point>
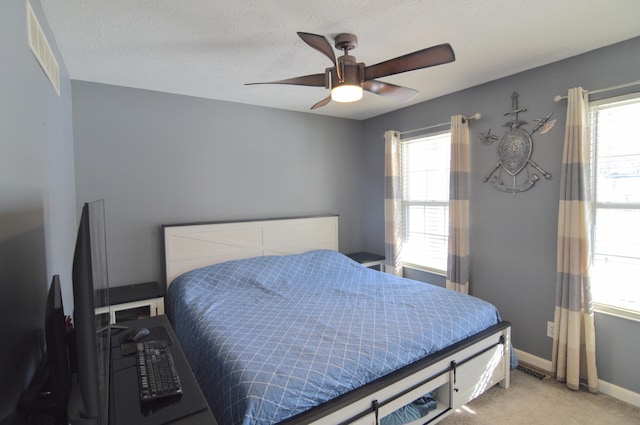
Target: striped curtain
<point>458,251</point>
<point>573,356</point>
<point>392,203</point>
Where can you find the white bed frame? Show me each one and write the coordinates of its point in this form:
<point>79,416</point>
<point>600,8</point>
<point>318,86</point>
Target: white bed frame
<point>458,373</point>
<point>190,246</point>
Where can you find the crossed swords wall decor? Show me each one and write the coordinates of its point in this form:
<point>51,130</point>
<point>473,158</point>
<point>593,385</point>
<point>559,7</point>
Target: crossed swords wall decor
<point>514,151</point>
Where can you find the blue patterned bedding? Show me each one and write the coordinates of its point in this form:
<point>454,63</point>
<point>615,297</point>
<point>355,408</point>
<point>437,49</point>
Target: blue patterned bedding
<point>270,337</point>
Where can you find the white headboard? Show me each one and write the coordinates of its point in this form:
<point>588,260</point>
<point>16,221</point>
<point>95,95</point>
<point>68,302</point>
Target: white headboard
<point>190,246</point>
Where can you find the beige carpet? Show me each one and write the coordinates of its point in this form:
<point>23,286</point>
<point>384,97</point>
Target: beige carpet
<point>530,400</point>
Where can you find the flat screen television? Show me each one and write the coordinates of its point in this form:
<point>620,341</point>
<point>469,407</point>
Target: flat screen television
<point>92,332</point>
<point>48,394</point>
<point>58,375</point>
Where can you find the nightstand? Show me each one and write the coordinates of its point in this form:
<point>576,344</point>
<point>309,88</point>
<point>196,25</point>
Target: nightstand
<point>367,259</point>
<point>134,302</point>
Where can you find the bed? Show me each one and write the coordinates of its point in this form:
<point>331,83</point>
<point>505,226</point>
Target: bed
<point>279,327</point>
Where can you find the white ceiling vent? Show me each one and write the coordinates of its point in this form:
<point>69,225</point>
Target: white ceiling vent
<point>41,49</point>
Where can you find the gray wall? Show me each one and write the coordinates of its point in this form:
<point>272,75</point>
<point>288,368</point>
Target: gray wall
<point>513,240</point>
<point>158,158</point>
<point>37,199</point>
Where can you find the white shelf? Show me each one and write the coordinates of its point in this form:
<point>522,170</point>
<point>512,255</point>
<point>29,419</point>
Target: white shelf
<point>146,308</point>
<point>133,302</point>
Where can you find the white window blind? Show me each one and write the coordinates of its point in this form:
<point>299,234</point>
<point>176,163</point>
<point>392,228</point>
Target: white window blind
<point>616,176</point>
<point>425,200</point>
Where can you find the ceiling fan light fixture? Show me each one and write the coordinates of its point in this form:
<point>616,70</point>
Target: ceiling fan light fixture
<point>347,79</point>
<point>346,93</point>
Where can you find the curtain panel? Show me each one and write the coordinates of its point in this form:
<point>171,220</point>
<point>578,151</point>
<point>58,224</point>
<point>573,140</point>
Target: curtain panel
<point>573,356</point>
<point>458,244</point>
<point>392,203</point>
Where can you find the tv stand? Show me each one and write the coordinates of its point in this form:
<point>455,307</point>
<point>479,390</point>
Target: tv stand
<point>125,407</point>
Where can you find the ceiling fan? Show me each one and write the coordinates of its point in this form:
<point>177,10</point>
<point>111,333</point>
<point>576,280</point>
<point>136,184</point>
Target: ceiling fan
<point>347,78</point>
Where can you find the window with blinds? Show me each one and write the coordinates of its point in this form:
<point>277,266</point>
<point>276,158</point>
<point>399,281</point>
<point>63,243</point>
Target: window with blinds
<point>615,141</point>
<point>425,201</point>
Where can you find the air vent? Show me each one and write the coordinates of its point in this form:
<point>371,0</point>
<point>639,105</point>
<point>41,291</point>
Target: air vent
<point>41,49</point>
<point>533,372</point>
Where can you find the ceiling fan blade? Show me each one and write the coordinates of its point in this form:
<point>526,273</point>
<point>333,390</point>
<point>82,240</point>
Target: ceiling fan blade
<point>402,94</point>
<point>431,56</point>
<point>319,43</point>
<point>315,80</point>
<point>322,103</point>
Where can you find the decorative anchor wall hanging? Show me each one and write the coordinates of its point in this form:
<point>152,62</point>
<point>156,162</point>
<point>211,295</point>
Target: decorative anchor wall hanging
<point>514,151</point>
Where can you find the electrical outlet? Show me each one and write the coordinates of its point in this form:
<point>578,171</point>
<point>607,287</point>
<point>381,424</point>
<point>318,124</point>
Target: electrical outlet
<point>550,329</point>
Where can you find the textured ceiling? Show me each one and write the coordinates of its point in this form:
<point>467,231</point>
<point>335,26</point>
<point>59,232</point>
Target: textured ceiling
<point>210,48</point>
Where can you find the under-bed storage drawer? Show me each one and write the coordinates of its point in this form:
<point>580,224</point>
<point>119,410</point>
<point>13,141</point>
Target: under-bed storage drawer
<point>440,386</point>
<point>474,376</point>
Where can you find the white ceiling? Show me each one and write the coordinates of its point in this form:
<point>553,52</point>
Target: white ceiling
<point>210,48</point>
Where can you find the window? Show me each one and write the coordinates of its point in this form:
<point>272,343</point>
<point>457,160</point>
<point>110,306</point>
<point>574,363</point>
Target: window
<point>425,201</point>
<point>616,178</point>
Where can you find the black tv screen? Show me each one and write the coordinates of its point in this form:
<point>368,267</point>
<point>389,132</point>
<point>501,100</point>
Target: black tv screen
<point>92,332</point>
<point>58,371</point>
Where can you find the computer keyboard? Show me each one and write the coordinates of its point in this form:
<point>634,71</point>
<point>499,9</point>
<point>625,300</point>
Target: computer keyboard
<point>157,375</point>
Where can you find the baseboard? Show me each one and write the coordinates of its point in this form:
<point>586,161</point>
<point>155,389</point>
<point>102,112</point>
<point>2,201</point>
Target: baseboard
<point>604,387</point>
<point>619,393</point>
<point>533,361</point>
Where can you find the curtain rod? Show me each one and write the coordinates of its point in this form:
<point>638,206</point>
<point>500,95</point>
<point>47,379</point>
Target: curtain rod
<point>475,116</point>
<point>558,98</point>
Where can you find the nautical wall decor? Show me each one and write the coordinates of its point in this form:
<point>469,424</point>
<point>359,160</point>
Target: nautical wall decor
<point>514,152</point>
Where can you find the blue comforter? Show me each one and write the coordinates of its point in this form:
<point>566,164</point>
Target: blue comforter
<point>270,337</point>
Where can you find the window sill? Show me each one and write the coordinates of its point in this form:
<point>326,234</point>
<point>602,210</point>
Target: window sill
<point>425,269</point>
<point>616,311</point>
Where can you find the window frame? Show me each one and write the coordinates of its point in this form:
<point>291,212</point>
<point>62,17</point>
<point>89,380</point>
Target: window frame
<point>406,203</point>
<point>600,306</point>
